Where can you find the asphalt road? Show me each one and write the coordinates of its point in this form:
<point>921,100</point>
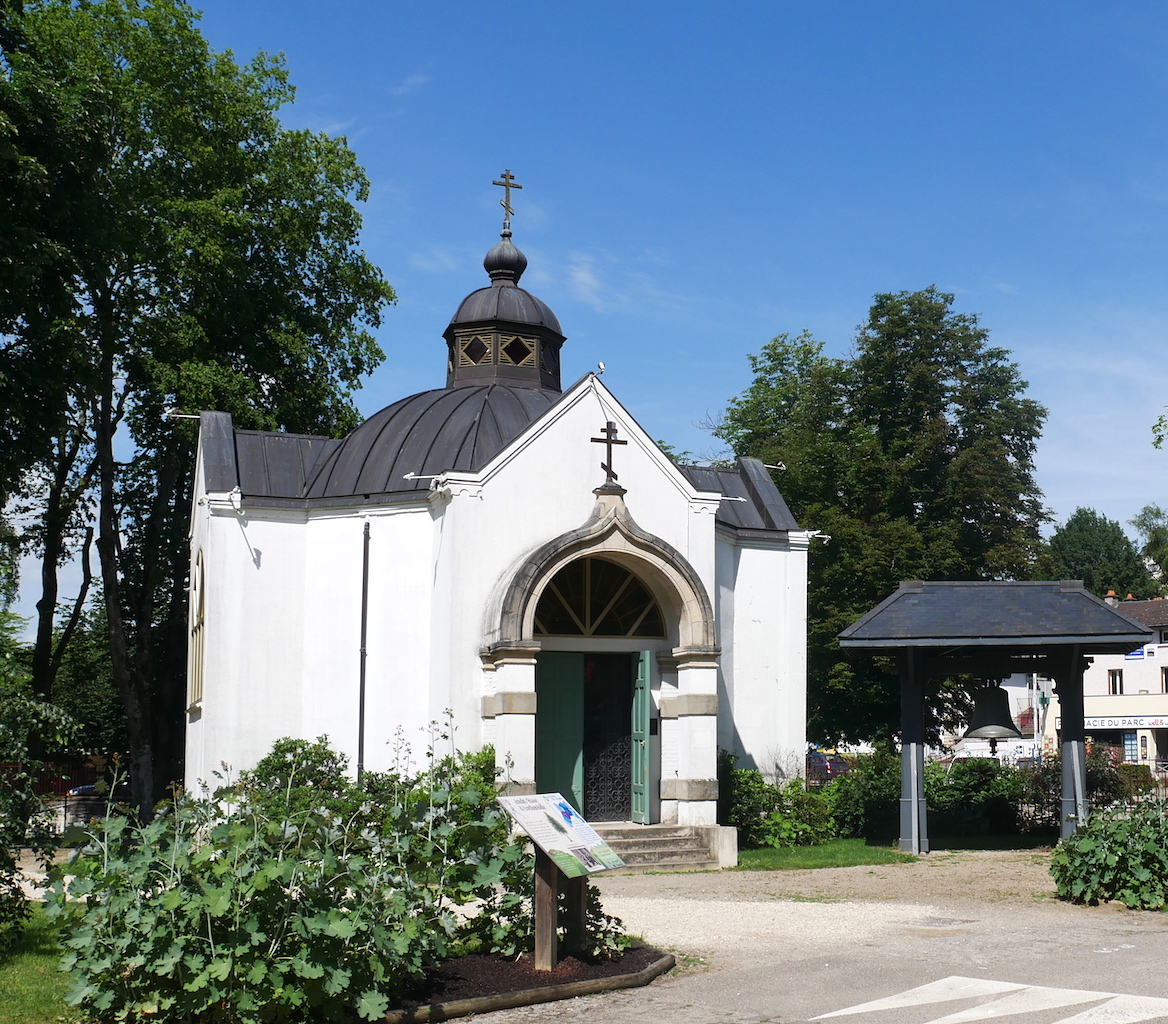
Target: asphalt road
<point>954,938</point>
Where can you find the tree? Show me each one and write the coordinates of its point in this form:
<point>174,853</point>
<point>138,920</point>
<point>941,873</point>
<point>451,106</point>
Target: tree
<point>1092,548</point>
<point>209,259</point>
<point>915,455</point>
<point>1152,523</point>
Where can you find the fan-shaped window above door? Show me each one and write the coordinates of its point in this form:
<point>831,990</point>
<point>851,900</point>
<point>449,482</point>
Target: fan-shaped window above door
<point>596,597</point>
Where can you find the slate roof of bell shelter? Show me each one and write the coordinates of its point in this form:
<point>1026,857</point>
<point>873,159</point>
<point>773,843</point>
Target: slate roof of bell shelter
<point>995,614</point>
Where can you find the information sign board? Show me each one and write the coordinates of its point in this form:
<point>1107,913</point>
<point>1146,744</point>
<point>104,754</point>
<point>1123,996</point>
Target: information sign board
<point>556,828</point>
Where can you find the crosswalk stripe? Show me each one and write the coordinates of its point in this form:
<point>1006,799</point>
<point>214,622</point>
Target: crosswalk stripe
<point>1123,1010</point>
<point>943,991</point>
<point>1007,999</point>
<point>1026,1000</point>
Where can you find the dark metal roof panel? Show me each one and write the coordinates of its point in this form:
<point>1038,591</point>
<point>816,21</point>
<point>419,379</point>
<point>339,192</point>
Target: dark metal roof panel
<point>508,303</point>
<point>993,613</point>
<point>217,440</point>
<point>459,429</point>
<point>761,507</point>
<point>275,464</point>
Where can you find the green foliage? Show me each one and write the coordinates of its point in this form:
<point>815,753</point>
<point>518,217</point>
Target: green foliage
<point>168,243</point>
<point>30,730</point>
<point>865,801</point>
<point>835,853</point>
<point>1152,523</point>
<point>915,455</point>
<point>976,797</point>
<point>302,776</point>
<point>34,990</point>
<point>84,687</point>
<point>1092,548</point>
<point>1109,782</point>
<point>257,905</point>
<point>1117,855</point>
<point>770,815</point>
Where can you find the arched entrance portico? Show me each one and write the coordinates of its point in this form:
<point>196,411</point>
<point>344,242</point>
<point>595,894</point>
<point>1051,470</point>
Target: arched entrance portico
<point>554,621</point>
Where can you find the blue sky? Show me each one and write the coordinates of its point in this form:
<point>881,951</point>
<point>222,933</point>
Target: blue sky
<point>698,178</point>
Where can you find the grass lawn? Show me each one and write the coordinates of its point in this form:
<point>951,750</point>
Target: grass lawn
<point>33,989</point>
<point>837,853</point>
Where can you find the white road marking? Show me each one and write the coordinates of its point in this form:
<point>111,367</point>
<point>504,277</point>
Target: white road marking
<point>1015,999</point>
<point>943,991</point>
<point>1123,1010</point>
<point>1026,1000</point>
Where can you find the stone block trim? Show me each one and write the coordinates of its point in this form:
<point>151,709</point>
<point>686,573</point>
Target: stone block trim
<point>689,789</point>
<point>689,704</point>
<point>510,702</point>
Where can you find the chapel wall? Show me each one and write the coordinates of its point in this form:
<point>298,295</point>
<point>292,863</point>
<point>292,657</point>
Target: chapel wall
<point>252,687</point>
<point>762,604</point>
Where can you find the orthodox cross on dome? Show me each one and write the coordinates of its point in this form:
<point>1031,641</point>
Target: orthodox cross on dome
<point>609,439</point>
<point>508,183</point>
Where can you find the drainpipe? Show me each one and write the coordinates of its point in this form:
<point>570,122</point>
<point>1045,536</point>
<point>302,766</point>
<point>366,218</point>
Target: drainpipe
<point>364,628</point>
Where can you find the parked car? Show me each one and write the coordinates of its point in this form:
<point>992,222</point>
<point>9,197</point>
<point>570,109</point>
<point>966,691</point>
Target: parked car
<point>121,791</point>
<point>823,767</point>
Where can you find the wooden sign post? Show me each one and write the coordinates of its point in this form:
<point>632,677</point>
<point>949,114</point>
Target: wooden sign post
<point>548,882</point>
<point>567,850</point>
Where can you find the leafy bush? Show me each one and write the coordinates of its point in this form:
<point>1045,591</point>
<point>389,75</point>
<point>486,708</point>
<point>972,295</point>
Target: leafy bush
<point>1108,782</point>
<point>979,796</point>
<point>865,802</point>
<point>1120,855</point>
<point>24,821</point>
<point>243,907</point>
<point>245,917</point>
<point>301,776</point>
<point>769,815</point>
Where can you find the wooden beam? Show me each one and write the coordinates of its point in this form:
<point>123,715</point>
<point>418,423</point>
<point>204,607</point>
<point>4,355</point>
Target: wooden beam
<point>545,910</point>
<point>575,914</point>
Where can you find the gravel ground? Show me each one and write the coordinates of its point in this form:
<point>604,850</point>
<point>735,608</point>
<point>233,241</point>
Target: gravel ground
<point>764,947</point>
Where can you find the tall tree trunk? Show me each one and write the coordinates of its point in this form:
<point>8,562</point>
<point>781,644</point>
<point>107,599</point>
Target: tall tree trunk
<point>131,685</point>
<point>60,507</point>
<point>153,636</point>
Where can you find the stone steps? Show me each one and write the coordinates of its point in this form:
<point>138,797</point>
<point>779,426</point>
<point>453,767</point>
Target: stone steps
<point>659,847</point>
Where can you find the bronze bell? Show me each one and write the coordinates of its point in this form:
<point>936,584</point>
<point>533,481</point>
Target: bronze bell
<point>991,717</point>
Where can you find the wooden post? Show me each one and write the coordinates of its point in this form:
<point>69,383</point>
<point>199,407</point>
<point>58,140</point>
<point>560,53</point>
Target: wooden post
<point>545,909</point>
<point>576,915</point>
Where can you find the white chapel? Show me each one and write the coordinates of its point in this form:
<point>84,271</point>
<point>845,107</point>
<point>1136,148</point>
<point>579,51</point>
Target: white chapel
<point>518,552</point>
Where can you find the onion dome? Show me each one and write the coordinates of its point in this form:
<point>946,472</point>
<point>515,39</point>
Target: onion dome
<point>502,333</point>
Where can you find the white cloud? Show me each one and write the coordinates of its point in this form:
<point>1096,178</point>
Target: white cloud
<point>411,83</point>
<point>584,280</point>
<point>436,260</point>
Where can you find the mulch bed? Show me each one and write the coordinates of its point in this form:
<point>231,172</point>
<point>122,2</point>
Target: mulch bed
<point>472,977</point>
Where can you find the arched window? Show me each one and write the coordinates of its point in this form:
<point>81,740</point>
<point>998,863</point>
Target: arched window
<point>596,597</point>
<point>198,616</point>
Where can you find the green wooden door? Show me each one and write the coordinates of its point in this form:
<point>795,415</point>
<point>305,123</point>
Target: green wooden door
<point>559,725</point>
<point>640,751</point>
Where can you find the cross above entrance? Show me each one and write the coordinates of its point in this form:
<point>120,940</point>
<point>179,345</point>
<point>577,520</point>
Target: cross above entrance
<point>609,439</point>
<point>508,183</point>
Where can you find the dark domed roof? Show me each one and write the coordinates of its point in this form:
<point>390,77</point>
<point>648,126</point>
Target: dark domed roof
<point>503,299</point>
<point>459,429</point>
<point>514,305</point>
